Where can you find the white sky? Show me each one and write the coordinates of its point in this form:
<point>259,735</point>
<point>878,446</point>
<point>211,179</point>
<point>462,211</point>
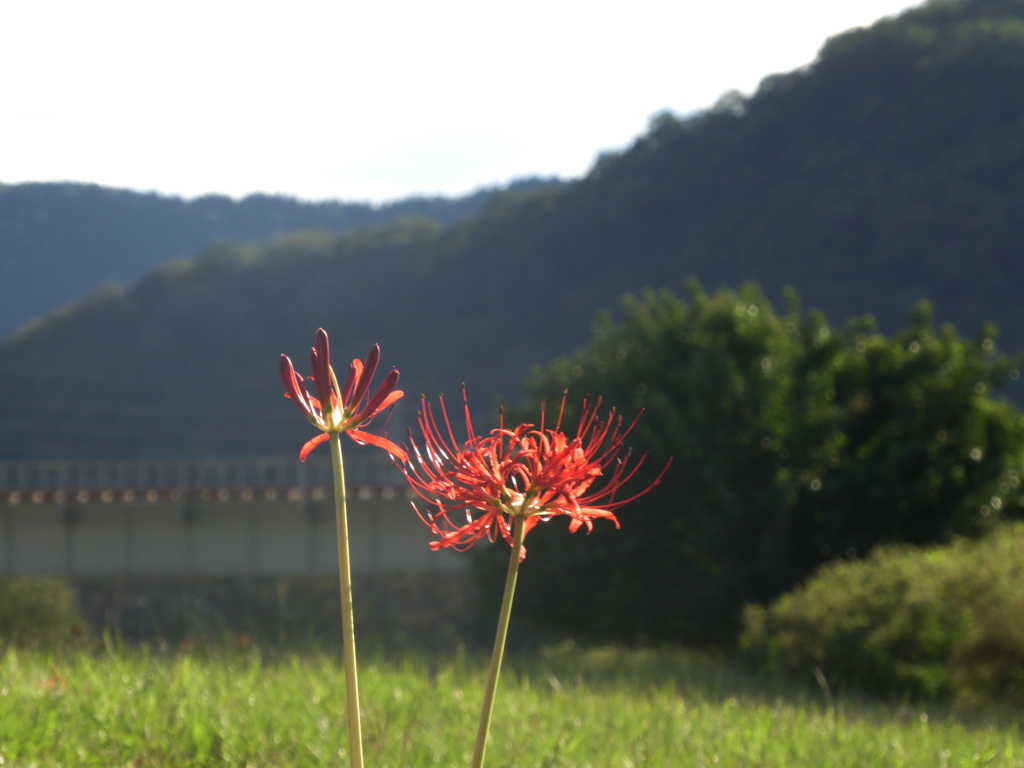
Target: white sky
<point>371,100</point>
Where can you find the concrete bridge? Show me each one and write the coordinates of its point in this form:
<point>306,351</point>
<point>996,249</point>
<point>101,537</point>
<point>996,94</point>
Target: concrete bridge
<point>245,516</point>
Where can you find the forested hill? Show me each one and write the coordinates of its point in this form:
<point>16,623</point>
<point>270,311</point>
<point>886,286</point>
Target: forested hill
<point>889,170</point>
<point>58,242</point>
<point>892,169</point>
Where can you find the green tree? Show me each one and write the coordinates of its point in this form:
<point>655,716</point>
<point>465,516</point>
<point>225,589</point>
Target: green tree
<point>921,448</point>
<point>794,442</point>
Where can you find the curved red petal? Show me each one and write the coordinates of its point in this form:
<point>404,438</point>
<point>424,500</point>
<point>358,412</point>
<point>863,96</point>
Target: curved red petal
<point>369,368</point>
<point>323,437</point>
<point>321,378</point>
<point>293,389</point>
<point>350,381</point>
<point>374,406</point>
<point>323,348</point>
<point>365,438</point>
<point>392,398</point>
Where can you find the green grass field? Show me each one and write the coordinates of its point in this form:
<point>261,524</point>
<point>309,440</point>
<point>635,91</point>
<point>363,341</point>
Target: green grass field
<point>564,707</point>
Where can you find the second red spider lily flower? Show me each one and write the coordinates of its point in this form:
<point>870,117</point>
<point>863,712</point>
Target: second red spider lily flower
<point>531,472</point>
<point>336,409</point>
<point>506,482</point>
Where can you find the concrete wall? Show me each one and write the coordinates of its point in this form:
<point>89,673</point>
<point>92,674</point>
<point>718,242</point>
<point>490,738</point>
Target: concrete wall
<point>210,531</point>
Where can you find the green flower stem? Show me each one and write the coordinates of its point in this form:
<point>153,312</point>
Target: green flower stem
<point>518,532</point>
<point>355,735</point>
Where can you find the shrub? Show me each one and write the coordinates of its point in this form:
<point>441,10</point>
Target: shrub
<point>37,611</point>
<point>945,622</point>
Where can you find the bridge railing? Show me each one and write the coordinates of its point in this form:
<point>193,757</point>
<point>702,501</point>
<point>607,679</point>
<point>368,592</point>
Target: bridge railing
<point>226,516</point>
<point>153,479</point>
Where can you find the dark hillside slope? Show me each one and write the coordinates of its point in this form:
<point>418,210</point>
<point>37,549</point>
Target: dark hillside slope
<point>890,170</point>
<point>58,242</point>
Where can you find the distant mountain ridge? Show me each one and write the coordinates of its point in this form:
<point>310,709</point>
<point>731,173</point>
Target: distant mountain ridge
<point>890,170</point>
<point>60,241</point>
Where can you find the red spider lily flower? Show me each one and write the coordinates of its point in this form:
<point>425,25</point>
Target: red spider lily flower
<point>532,472</point>
<point>337,409</point>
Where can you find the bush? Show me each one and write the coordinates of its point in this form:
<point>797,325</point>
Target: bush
<point>37,611</point>
<point>946,622</point>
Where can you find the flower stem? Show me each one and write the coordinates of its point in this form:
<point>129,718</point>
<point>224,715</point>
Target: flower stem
<point>355,736</point>
<point>518,532</point>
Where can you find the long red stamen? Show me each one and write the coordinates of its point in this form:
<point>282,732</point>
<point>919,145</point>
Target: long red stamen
<point>465,408</point>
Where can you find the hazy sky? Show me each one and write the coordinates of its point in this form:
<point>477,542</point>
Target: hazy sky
<point>371,100</point>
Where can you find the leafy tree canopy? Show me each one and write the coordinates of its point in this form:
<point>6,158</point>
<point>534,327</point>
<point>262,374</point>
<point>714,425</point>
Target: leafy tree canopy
<point>794,442</point>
